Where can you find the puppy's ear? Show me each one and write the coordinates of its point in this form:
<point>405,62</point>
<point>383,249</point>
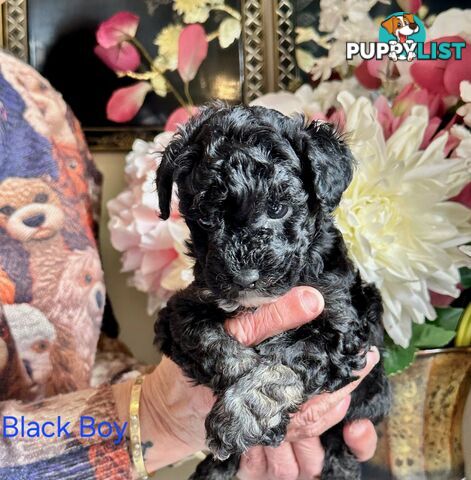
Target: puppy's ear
<point>181,154</point>
<point>327,164</point>
<point>388,24</point>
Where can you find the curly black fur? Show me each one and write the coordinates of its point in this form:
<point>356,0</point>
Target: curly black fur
<point>233,166</point>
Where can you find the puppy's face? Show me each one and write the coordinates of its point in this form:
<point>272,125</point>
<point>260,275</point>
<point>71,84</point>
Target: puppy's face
<point>249,220</point>
<point>247,186</point>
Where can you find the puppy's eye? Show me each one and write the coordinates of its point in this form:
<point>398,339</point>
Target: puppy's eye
<point>277,210</point>
<point>7,210</point>
<point>41,198</point>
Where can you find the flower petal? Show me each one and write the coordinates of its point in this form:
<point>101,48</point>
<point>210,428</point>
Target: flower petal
<point>365,77</point>
<point>179,117</point>
<point>121,57</point>
<point>118,28</point>
<point>126,102</point>
<point>192,50</point>
<point>458,71</point>
<point>229,30</point>
<point>410,6</point>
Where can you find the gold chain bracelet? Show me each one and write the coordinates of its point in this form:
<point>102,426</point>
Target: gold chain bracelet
<point>135,430</point>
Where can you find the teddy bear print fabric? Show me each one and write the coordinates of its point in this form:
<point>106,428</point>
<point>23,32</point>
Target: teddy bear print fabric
<point>51,282</point>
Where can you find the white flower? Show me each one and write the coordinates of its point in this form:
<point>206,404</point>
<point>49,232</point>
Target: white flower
<point>305,59</point>
<point>465,110</point>
<point>333,13</point>
<point>229,30</point>
<point>195,11</point>
<point>344,21</point>
<point>324,96</point>
<point>167,41</point>
<point>152,249</point>
<point>454,21</point>
<point>310,101</point>
<point>400,230</point>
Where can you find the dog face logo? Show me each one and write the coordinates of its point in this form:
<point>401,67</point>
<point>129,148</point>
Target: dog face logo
<point>402,31</point>
<point>402,37</point>
<point>401,26</point>
<point>29,209</point>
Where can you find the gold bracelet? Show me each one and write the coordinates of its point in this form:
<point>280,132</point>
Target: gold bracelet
<point>135,429</point>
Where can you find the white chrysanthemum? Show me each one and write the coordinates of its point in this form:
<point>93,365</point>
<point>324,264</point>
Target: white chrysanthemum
<point>152,249</point>
<point>401,231</point>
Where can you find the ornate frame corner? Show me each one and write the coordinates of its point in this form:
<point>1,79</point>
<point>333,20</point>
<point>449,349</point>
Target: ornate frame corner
<point>286,70</point>
<point>254,52</point>
<point>14,28</point>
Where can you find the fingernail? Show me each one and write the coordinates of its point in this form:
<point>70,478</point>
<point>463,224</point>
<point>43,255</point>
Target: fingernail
<point>357,429</point>
<point>373,356</point>
<point>311,300</point>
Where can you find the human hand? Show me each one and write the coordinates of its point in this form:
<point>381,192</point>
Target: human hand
<point>301,455</point>
<point>173,410</point>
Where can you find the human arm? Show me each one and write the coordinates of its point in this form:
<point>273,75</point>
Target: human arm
<point>173,410</point>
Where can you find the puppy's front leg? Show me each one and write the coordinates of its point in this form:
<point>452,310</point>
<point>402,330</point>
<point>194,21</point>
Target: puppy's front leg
<point>191,332</point>
<point>254,410</point>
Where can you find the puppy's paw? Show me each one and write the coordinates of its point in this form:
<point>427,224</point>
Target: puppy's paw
<point>254,411</point>
<point>234,367</point>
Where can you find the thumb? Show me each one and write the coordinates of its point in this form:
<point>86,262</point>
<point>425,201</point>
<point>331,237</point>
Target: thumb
<point>300,305</point>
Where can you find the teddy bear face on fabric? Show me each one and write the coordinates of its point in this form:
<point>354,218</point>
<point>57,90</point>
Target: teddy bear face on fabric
<point>29,209</point>
<point>33,334</point>
<point>51,280</point>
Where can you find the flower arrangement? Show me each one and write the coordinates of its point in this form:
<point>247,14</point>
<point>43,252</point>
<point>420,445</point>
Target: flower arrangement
<point>181,46</point>
<point>406,215</point>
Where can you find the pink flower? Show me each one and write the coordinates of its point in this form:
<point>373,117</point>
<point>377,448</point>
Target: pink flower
<point>121,57</point>
<point>113,47</point>
<point>388,121</point>
<point>117,29</point>
<point>410,95</point>
<point>464,197</point>
<point>411,6</point>
<point>391,117</point>
<point>152,250</point>
<point>366,77</point>
<point>126,102</point>
<point>179,117</point>
<point>443,77</point>
<point>192,50</point>
<point>440,300</point>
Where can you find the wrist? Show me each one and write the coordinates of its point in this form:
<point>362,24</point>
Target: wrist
<point>161,442</point>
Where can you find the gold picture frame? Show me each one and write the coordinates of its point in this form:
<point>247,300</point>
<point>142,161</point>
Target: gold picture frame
<point>267,45</point>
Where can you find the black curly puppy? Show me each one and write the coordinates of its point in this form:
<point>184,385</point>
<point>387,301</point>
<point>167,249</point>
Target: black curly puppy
<point>257,190</point>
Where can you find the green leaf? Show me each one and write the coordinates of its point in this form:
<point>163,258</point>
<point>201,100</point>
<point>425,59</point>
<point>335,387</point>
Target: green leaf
<point>465,274</point>
<point>395,358</point>
<point>429,335</point>
<point>448,318</point>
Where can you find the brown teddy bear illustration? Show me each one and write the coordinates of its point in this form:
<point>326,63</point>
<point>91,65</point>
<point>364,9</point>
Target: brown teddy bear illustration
<point>31,212</point>
<point>77,310</point>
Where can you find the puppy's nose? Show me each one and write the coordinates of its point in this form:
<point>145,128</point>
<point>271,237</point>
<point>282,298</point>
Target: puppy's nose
<point>246,278</point>
<point>35,221</point>
<point>413,25</point>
